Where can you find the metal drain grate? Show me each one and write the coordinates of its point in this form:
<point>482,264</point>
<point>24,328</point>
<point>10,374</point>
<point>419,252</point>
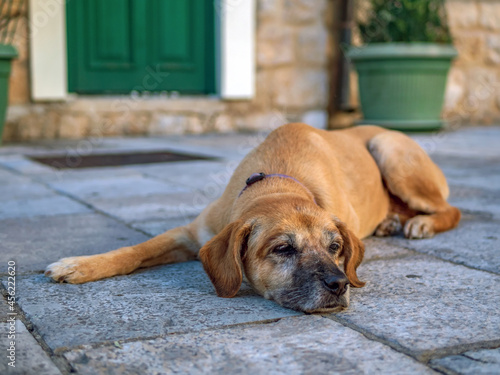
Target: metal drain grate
<point>110,160</point>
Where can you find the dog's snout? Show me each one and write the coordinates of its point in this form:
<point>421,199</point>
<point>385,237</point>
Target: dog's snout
<point>337,284</point>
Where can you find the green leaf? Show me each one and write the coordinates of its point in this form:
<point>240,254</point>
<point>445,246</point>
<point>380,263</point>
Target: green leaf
<point>406,21</point>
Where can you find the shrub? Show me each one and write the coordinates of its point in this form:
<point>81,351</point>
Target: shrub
<point>405,21</point>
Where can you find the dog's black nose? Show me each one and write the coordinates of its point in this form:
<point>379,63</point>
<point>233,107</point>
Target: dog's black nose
<point>337,284</point>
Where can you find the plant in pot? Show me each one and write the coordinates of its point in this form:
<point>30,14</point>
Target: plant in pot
<point>403,64</point>
<point>10,12</point>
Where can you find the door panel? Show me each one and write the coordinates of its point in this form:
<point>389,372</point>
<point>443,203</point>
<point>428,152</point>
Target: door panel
<point>116,46</point>
<point>109,39</point>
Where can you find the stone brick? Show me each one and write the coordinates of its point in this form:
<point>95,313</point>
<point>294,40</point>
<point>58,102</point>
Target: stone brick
<point>10,132</point>
<point>19,78</point>
<point>275,44</point>
<point>30,127</point>
<point>223,123</point>
<point>264,90</point>
<point>303,10</point>
<point>262,121</point>
<point>99,126</point>
<point>462,14</point>
<point>194,125</point>
<point>51,124</point>
<point>470,46</point>
<point>493,49</point>
<point>312,43</point>
<point>482,88</point>
<point>301,87</point>
<point>269,9</point>
<point>455,88</point>
<point>168,124</point>
<point>73,126</point>
<point>138,124</point>
<point>102,104</point>
<point>489,15</point>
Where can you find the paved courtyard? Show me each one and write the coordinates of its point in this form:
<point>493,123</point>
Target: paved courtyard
<point>430,306</point>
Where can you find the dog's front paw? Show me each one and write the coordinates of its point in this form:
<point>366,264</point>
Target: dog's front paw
<point>74,270</point>
<point>419,227</point>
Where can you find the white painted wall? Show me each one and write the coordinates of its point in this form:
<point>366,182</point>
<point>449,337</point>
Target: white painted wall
<point>48,62</point>
<point>238,49</point>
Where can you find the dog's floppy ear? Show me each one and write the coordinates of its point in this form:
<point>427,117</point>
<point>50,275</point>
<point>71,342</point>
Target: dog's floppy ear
<point>353,251</point>
<point>221,258</point>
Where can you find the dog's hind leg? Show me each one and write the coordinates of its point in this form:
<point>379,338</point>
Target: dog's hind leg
<point>416,182</point>
<point>175,245</point>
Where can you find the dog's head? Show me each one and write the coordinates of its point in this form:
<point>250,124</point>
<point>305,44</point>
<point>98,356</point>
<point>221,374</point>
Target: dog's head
<point>288,254</point>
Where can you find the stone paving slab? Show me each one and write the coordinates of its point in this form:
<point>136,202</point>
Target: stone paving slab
<point>22,148</point>
<point>474,200</point>
<point>97,145</point>
<point>152,207</point>
<point>208,176</point>
<point>30,357</point>
<point>228,149</point>
<point>34,242</point>
<point>23,191</point>
<point>181,144</point>
<point>8,178</point>
<point>473,172</point>
<point>475,243</point>
<point>383,248</point>
<point>300,345</point>
<point>481,362</point>
<point>149,303</point>
<point>42,206</point>
<point>460,166</point>
<point>487,181</point>
<point>157,227</point>
<point>84,174</point>
<point>4,308</point>
<point>467,142</point>
<point>423,304</point>
<point>24,165</point>
<point>116,187</point>
<point>235,142</point>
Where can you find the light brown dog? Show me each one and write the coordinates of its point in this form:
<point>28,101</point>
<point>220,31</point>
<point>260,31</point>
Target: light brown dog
<point>288,233</point>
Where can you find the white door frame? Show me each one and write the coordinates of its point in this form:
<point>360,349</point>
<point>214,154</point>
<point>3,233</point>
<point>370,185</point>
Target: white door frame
<point>48,52</point>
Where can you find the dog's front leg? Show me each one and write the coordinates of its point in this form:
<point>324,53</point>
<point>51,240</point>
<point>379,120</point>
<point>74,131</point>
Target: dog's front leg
<point>175,245</point>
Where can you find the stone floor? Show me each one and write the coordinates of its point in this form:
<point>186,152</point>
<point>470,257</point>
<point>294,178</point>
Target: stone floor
<point>431,306</point>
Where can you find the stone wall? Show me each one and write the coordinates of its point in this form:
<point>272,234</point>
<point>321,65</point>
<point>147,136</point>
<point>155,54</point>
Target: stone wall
<point>295,48</point>
<point>473,91</point>
<point>292,83</point>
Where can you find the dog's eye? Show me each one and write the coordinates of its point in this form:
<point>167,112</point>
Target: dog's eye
<point>334,247</point>
<point>285,250</point>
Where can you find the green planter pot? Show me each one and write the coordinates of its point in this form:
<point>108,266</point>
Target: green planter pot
<point>402,85</point>
<point>7,53</point>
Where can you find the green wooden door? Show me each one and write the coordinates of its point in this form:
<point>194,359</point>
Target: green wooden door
<point>116,46</point>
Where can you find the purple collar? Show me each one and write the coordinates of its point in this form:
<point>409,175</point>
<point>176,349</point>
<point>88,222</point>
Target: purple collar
<point>256,177</point>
